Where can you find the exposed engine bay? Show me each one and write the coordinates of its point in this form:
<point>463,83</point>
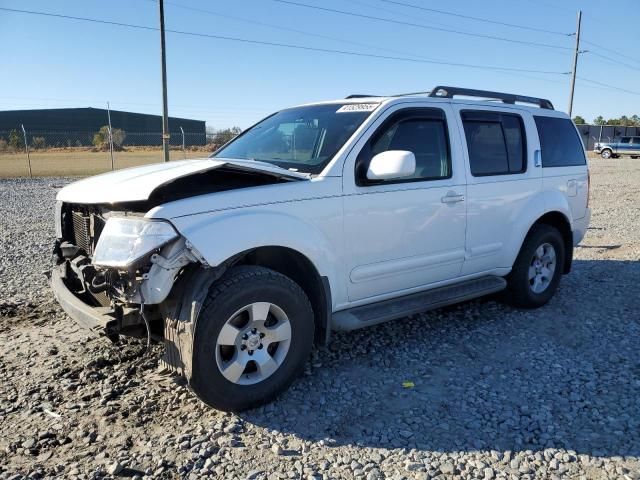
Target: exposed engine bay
<point>131,294</point>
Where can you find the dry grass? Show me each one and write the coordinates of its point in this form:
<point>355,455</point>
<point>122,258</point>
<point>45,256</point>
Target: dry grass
<point>71,162</point>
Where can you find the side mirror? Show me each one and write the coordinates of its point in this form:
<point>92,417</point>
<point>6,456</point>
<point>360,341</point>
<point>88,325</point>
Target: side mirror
<point>392,164</point>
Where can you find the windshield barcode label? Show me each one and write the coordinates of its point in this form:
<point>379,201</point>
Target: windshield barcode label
<point>358,107</point>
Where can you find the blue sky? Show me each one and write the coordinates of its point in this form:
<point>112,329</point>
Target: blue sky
<point>49,62</point>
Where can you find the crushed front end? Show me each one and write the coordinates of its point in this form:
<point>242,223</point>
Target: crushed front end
<point>114,269</point>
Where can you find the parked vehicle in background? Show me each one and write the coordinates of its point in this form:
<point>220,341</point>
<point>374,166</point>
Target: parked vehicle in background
<point>625,146</point>
<point>329,216</point>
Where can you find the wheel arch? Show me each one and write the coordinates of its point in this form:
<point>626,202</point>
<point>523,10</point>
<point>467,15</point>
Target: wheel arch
<point>300,269</point>
<point>559,221</point>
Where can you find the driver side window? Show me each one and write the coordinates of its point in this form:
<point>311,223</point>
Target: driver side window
<point>422,131</point>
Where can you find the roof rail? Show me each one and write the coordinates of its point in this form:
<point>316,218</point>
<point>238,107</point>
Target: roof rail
<point>449,92</point>
<point>360,95</point>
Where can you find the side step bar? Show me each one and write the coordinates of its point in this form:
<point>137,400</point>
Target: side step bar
<point>367,315</point>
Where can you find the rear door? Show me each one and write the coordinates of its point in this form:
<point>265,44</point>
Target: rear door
<point>635,146</point>
<point>500,182</point>
<point>564,163</point>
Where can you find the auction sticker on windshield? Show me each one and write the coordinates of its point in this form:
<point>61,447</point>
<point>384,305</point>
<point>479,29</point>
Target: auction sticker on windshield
<point>358,107</point>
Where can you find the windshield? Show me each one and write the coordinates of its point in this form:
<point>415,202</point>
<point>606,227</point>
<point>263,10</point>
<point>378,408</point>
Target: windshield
<point>302,138</point>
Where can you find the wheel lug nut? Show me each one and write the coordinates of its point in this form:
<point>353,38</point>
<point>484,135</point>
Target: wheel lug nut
<point>254,330</point>
<point>250,352</point>
<point>260,347</point>
<point>245,336</point>
<point>243,347</point>
<point>261,335</point>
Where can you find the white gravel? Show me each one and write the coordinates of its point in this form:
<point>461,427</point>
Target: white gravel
<point>497,392</point>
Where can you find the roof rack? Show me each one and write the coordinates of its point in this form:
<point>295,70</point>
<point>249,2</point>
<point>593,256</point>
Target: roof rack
<point>360,95</point>
<point>442,91</point>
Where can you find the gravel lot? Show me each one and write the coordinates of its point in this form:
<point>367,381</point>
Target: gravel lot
<point>498,393</point>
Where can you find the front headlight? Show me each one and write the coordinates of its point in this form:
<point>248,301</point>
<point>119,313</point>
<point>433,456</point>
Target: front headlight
<point>125,240</point>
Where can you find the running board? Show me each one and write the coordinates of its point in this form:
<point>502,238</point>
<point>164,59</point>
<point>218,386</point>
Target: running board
<point>367,315</point>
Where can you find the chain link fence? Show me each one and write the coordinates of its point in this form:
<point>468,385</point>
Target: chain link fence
<point>25,152</point>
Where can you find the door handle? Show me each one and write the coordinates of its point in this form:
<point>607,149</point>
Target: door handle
<point>537,158</point>
<point>449,198</point>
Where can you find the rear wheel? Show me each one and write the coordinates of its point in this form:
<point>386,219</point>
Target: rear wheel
<point>253,336</point>
<point>536,272</point>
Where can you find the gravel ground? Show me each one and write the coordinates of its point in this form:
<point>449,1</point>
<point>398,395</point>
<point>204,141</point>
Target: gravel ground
<point>497,392</point>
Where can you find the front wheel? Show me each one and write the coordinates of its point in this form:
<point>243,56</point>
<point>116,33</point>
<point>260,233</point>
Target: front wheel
<point>536,272</point>
<point>253,336</point>
<point>606,153</point>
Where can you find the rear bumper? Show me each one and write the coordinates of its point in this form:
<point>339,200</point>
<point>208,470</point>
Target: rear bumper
<point>580,227</point>
<point>97,319</point>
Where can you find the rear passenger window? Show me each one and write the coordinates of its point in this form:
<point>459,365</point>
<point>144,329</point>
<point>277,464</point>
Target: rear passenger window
<point>559,142</point>
<point>495,141</point>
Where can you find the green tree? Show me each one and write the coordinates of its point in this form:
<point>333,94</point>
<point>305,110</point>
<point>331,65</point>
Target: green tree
<point>15,140</point>
<point>101,139</point>
<point>578,120</point>
<point>599,120</point>
<point>223,136</point>
<point>38,142</point>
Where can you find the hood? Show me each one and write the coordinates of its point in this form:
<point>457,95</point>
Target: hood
<point>190,177</point>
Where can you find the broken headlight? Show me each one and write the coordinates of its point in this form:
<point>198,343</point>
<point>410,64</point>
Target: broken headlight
<point>126,240</point>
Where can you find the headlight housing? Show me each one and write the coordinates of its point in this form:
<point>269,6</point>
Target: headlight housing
<point>125,240</point>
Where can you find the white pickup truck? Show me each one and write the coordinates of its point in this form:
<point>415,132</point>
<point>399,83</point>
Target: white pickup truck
<point>328,216</point>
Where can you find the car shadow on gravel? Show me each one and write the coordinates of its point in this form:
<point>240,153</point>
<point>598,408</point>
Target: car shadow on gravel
<point>483,376</point>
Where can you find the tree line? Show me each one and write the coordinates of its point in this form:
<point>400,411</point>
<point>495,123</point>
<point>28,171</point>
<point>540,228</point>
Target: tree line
<point>624,121</point>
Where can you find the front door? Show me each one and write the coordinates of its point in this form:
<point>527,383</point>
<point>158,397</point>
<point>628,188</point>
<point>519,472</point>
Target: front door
<point>404,234</point>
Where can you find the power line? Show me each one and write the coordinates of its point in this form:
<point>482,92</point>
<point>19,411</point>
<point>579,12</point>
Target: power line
<point>294,30</point>
<point>421,25</point>
<point>609,86</point>
<point>610,50</point>
<point>303,32</point>
<point>611,60</point>
<point>479,19</point>
<point>284,45</point>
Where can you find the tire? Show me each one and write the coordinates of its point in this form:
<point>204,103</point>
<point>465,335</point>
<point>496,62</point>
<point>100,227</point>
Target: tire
<point>270,366</point>
<point>523,291</point>
<point>606,153</point>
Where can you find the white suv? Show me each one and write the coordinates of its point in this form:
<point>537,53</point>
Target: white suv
<point>329,216</point>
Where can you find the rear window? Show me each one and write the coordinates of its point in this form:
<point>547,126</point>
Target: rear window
<point>559,142</point>
<point>495,141</point>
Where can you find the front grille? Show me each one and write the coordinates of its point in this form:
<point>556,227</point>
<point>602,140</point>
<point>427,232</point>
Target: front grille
<point>82,227</point>
<point>81,231</point>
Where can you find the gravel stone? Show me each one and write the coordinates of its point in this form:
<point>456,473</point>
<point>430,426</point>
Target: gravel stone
<point>499,393</point>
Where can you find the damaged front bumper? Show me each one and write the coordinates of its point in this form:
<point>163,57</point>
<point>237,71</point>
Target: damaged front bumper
<point>98,319</point>
<point>113,305</point>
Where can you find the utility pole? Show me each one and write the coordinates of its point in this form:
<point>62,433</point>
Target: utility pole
<point>165,108</point>
<point>26,146</point>
<point>110,134</point>
<point>575,63</point>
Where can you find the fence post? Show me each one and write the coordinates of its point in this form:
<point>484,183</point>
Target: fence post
<point>184,151</point>
<point>26,146</point>
<point>110,135</point>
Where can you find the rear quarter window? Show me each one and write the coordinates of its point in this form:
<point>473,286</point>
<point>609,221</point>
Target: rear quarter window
<point>559,142</point>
